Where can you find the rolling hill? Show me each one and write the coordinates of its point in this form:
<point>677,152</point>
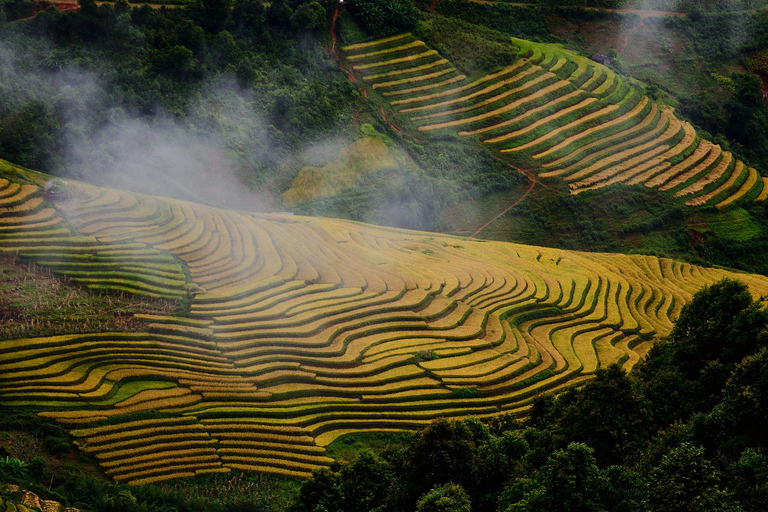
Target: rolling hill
<point>301,330</point>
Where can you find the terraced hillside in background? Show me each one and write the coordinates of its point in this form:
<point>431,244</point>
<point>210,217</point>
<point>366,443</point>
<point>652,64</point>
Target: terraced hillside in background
<point>302,330</point>
<point>575,119</point>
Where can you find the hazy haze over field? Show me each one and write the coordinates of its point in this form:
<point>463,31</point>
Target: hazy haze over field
<point>155,154</point>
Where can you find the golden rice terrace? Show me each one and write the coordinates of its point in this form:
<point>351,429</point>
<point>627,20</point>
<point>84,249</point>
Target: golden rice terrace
<point>302,330</point>
<point>574,119</point>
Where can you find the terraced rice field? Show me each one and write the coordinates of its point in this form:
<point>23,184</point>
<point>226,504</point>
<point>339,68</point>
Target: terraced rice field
<point>302,330</point>
<point>575,119</point>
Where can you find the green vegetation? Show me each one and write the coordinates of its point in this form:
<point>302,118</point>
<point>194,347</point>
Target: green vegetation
<point>35,303</point>
<point>381,18</point>
<point>350,446</point>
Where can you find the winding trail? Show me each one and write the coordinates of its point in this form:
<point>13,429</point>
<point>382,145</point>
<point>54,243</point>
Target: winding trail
<point>384,115</point>
<point>629,34</point>
<point>334,37</point>
<point>530,188</point>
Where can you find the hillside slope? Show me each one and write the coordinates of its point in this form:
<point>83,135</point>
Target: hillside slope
<point>303,329</point>
<point>556,115</point>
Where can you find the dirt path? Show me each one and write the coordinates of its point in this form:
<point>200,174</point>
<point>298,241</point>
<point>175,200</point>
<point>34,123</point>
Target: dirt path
<point>334,37</point>
<point>629,34</point>
<point>530,188</point>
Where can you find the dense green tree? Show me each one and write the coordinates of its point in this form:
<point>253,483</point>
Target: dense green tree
<point>365,483</point>
<point>249,16</point>
<point>609,413</point>
<point>750,479</point>
<point>715,331</point>
<point>308,16</point>
<point>279,13</point>
<point>321,493</point>
<point>213,15</point>
<point>739,420</point>
<point>29,135</point>
<point>686,481</point>
<point>442,453</point>
<point>445,498</point>
<point>382,17</point>
<point>571,481</point>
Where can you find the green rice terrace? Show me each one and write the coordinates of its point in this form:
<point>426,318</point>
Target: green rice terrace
<point>556,115</point>
<point>301,330</point>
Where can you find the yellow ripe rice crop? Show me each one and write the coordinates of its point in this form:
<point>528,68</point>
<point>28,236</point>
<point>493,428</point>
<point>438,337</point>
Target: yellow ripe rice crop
<point>573,124</point>
<point>162,478</point>
<point>671,181</point>
<point>584,134</point>
<point>394,49</point>
<point>436,85</point>
<point>44,214</point>
<point>480,104</point>
<point>541,122</point>
<point>303,329</point>
<point>21,195</point>
<point>530,113</point>
<point>420,78</point>
<point>715,174</point>
<point>632,156</point>
<point>501,110</point>
<point>631,132</point>
<point>392,62</point>
<point>652,179</point>
<point>27,206</point>
<point>406,71</point>
<point>599,75</point>
<point>653,168</point>
<point>640,168</point>
<point>764,194</point>
<point>606,86</point>
<point>377,42</point>
<point>486,90</point>
<point>465,87</point>
<point>745,188</point>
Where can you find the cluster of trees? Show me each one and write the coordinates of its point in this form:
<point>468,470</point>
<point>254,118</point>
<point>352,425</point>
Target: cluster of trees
<point>685,433</point>
<point>738,110</point>
<point>520,21</point>
<point>67,77</point>
<point>384,17</point>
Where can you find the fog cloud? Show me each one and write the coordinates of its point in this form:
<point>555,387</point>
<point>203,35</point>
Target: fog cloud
<point>199,157</point>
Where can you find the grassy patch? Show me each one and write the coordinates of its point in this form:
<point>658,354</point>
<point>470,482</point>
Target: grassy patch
<point>35,303</point>
<point>349,446</point>
<point>128,389</point>
<point>473,49</point>
<point>736,224</point>
<point>234,491</point>
<point>366,155</point>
